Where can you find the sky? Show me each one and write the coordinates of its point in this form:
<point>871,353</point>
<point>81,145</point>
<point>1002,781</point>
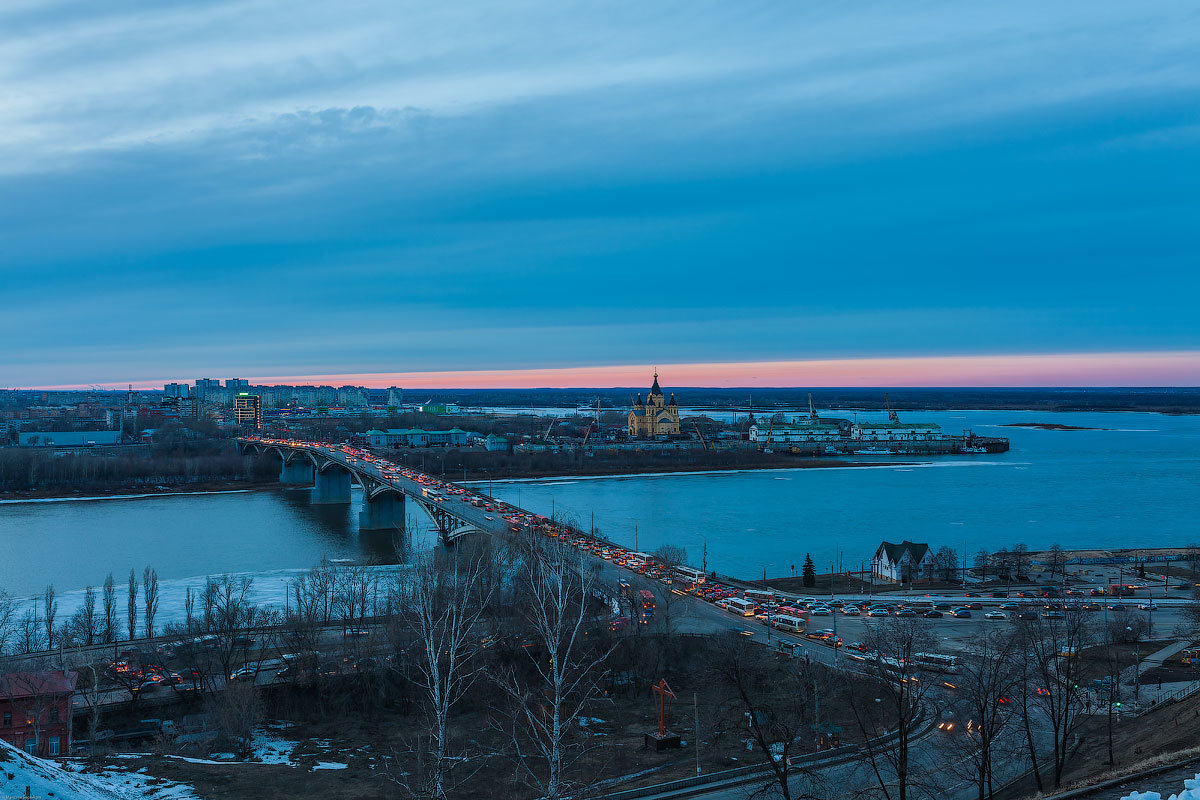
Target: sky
<point>557,193</point>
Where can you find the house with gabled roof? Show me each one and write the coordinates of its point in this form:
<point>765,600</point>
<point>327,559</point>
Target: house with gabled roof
<point>903,562</point>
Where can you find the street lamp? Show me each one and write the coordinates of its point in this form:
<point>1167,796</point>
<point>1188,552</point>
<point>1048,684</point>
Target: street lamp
<point>1137,664</point>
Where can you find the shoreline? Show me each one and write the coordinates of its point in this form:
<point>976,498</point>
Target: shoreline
<point>700,469</point>
<point>239,487</point>
<point>128,493</point>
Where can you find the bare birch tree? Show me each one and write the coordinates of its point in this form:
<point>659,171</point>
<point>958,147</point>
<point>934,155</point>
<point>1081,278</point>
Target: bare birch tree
<point>8,620</point>
<point>442,600</point>
<point>550,692</point>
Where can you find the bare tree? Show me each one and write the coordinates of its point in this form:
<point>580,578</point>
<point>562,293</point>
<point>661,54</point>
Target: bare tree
<point>1051,644</point>
<point>29,631</point>
<point>1020,557</point>
<point>189,608</point>
<point>85,627</point>
<point>442,600</point>
<point>131,607</point>
<point>982,559</point>
<point>889,722</point>
<point>109,627</point>
<point>8,620</point>
<point>986,682</point>
<point>49,612</point>
<point>777,698</point>
<point>1057,559</point>
<point>237,711</point>
<point>150,595</point>
<point>945,560</point>
<point>551,691</point>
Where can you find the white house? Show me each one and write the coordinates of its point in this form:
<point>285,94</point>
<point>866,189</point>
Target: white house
<point>902,562</point>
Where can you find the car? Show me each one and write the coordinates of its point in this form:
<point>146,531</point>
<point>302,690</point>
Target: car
<point>995,615</point>
<point>1053,615</point>
<point>1151,606</point>
<point>1027,615</point>
<point>1117,607</point>
<point>1010,606</point>
<point>934,614</point>
<point>906,612</point>
<point>963,613</point>
<point>972,594</point>
<point>820,611</point>
<point>943,607</point>
<point>999,594</point>
<point>877,612</point>
<point>975,606</point>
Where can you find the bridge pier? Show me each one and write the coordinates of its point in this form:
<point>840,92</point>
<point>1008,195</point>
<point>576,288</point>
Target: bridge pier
<point>297,472</point>
<point>385,512</point>
<point>332,485</point>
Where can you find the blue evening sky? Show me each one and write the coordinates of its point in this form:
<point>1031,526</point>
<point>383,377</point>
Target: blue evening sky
<point>271,187</point>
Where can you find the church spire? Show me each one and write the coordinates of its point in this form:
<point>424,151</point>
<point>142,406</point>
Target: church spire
<point>654,389</point>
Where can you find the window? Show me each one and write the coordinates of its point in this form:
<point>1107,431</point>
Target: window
<point>53,746</point>
<point>8,719</point>
<point>30,746</point>
<point>54,713</point>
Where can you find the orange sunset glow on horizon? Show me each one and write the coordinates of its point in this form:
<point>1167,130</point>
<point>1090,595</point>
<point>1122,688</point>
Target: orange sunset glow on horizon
<point>1169,368</point>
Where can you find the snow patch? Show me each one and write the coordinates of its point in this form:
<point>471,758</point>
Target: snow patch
<point>329,765</point>
<point>45,778</point>
<point>1191,791</point>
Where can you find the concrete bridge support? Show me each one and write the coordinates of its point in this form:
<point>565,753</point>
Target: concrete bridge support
<point>385,512</point>
<point>332,485</point>
<point>297,472</point>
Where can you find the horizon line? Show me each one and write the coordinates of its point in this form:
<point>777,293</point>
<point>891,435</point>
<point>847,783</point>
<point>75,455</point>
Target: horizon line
<point>1138,369</point>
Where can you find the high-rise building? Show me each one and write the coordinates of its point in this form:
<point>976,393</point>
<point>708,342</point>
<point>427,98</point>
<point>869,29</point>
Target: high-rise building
<point>395,397</point>
<point>207,390</point>
<point>247,409</point>
<point>237,384</point>
<point>177,390</point>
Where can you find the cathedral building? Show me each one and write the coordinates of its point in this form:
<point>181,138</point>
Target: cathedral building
<point>656,417</point>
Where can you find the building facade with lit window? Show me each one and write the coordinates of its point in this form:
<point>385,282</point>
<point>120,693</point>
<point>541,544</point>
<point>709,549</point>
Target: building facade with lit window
<point>247,410</point>
<point>35,711</point>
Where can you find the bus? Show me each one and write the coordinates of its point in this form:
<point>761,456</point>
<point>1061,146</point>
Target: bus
<point>936,662</point>
<point>689,575</point>
<point>742,607</point>
<point>788,623</point>
<point>1190,656</point>
<point>1120,589</point>
<point>760,596</point>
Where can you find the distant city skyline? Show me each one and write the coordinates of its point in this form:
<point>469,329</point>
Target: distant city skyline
<point>1046,370</point>
<point>544,191</point>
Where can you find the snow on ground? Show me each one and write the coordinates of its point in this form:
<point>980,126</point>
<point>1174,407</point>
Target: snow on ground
<point>329,765</point>
<point>44,778</point>
<point>269,748</point>
<point>1191,791</point>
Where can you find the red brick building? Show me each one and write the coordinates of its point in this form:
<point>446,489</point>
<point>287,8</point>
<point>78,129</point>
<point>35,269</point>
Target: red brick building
<point>35,711</point>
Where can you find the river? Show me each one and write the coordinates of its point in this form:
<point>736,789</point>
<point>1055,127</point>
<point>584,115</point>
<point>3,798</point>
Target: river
<point>1134,483</point>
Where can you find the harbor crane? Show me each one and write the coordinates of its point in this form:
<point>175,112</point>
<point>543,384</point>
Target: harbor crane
<point>892,415</point>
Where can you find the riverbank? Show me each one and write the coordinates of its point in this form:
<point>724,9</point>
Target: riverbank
<point>617,471</point>
<point>130,492</point>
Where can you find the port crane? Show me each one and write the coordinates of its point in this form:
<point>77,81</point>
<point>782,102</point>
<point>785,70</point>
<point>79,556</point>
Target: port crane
<point>892,415</point>
<point>699,433</point>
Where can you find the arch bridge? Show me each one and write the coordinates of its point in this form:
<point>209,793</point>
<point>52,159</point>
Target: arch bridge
<point>332,469</point>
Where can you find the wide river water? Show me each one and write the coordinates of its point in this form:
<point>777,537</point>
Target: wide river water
<point>1135,483</point>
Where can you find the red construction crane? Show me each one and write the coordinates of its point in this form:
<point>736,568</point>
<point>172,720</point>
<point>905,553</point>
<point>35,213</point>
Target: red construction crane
<point>662,691</point>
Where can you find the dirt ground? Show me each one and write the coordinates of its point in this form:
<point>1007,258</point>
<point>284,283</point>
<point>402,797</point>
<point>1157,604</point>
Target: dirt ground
<point>612,738</point>
<point>1157,735</point>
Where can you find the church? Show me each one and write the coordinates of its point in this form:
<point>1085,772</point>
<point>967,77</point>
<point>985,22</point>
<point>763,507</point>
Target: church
<point>656,417</point>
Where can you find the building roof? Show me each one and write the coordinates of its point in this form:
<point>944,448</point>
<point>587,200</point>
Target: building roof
<point>895,552</point>
<point>898,425</point>
<point>16,685</point>
<point>654,389</point>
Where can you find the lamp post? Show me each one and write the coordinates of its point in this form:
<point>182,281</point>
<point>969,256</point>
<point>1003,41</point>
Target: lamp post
<point>1137,664</point>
